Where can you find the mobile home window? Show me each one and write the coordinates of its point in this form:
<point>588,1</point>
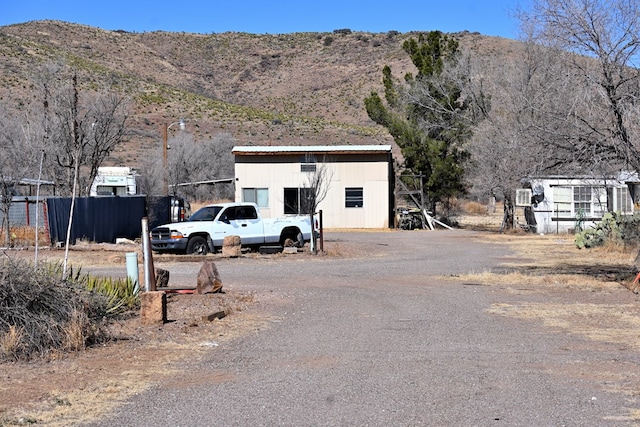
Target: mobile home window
<point>590,200</point>
<point>562,202</point>
<point>582,199</point>
<point>622,202</point>
<point>259,196</point>
<point>353,197</point>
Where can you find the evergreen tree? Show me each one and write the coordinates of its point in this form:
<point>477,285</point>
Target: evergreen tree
<point>428,114</point>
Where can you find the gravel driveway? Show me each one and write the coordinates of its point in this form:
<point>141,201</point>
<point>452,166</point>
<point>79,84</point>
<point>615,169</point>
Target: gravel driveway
<point>377,334</point>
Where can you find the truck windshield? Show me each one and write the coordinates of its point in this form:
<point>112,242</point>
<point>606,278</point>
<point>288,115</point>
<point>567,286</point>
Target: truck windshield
<point>208,213</point>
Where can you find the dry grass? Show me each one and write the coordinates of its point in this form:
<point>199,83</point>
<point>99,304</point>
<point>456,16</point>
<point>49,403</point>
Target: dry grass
<point>582,294</point>
<point>87,386</point>
<point>11,342</point>
<point>552,260</point>
<point>475,208</point>
<point>611,323</point>
<point>74,332</point>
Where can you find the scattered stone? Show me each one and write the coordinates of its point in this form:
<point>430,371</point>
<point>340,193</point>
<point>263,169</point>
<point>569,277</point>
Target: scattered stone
<point>124,241</point>
<point>217,315</point>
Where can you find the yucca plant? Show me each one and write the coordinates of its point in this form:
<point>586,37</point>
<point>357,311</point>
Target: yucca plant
<point>122,294</point>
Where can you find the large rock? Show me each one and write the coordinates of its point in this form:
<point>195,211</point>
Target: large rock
<point>208,279</point>
<point>231,247</point>
<point>153,307</point>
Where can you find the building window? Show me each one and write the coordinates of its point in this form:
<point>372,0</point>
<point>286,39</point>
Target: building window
<point>562,202</point>
<point>570,201</point>
<point>589,200</point>
<point>582,199</point>
<point>259,196</point>
<point>353,197</point>
<point>308,163</point>
<point>624,203</point>
<point>297,200</point>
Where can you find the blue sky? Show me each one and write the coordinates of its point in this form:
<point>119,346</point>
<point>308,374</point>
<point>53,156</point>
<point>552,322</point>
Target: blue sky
<point>489,17</point>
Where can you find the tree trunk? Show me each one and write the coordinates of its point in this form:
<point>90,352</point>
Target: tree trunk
<point>507,220</point>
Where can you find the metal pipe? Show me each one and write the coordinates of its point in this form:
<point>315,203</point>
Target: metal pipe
<point>132,270</point>
<point>321,232</point>
<point>149,271</point>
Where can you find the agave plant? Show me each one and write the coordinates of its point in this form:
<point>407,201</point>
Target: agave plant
<point>122,294</point>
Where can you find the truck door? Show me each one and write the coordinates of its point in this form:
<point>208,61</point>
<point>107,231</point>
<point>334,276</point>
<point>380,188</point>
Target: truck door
<point>242,221</point>
<point>250,224</point>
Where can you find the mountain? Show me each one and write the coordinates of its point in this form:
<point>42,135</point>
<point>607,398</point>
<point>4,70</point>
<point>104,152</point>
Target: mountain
<point>268,89</point>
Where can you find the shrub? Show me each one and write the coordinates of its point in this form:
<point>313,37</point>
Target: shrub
<point>475,208</point>
<point>41,314</point>
<point>613,228</point>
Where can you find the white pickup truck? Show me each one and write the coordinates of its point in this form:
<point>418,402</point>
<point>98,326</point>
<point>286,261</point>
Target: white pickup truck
<point>206,229</point>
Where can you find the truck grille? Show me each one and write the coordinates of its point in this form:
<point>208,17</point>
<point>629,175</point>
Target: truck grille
<point>160,233</point>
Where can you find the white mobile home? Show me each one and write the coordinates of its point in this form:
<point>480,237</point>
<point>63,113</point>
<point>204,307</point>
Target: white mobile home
<point>559,204</point>
<point>359,182</point>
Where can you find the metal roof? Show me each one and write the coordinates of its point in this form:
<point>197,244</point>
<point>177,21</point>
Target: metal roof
<point>315,149</point>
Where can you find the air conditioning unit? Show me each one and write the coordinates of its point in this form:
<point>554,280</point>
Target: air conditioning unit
<point>523,197</point>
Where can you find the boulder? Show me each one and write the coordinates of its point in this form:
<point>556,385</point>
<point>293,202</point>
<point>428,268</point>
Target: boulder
<point>153,308</point>
<point>231,247</point>
<point>208,279</point>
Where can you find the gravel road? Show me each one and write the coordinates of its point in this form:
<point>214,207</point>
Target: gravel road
<point>382,337</point>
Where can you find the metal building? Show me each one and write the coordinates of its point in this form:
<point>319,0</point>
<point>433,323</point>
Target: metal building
<point>358,179</point>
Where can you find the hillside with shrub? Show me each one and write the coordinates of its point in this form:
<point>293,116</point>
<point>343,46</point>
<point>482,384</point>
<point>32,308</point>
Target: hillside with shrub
<point>267,89</point>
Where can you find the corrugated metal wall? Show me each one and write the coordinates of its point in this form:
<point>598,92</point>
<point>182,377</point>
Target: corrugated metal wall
<point>96,219</point>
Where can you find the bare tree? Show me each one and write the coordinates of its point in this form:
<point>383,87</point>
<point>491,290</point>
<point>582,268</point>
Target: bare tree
<point>568,103</point>
<point>317,184</point>
<point>82,129</point>
<point>183,161</point>
<point>509,145</point>
<point>190,161</point>
<point>216,153</point>
<point>596,118</point>
<point>150,181</point>
<point>17,161</point>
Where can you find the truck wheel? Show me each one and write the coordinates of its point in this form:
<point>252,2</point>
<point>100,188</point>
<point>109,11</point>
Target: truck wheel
<point>197,245</point>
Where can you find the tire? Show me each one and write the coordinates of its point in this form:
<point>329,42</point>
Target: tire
<point>198,246</point>
<point>289,238</point>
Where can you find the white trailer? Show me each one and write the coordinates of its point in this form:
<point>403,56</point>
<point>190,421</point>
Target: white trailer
<point>562,203</point>
<point>114,181</point>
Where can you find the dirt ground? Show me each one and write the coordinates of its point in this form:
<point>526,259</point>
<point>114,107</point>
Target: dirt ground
<point>74,388</point>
